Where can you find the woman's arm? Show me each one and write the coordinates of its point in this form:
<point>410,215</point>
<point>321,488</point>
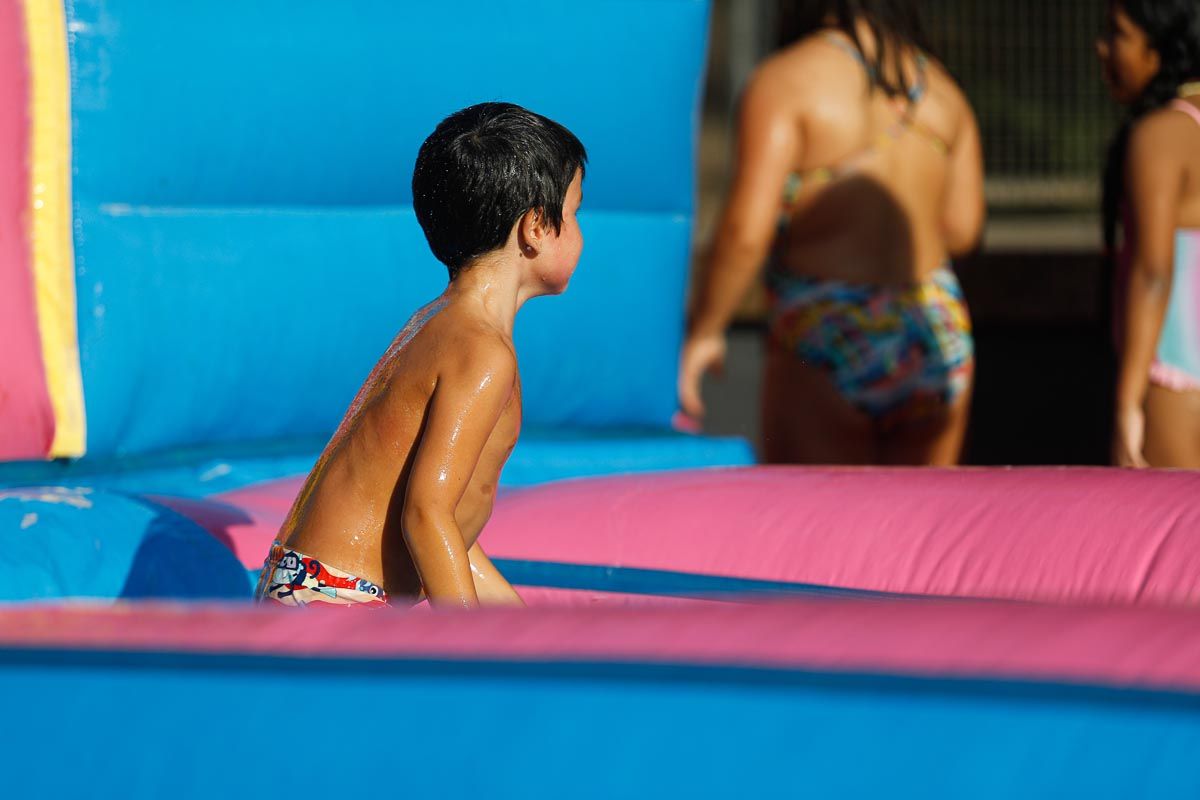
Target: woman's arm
<point>963,210</point>
<point>1153,181</point>
<point>767,145</point>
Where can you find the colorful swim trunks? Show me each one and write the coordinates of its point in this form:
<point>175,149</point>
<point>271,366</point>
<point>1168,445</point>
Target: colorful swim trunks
<point>294,579</point>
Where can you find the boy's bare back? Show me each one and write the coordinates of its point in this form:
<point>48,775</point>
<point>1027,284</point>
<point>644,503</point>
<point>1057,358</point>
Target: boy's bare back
<point>395,504</point>
<point>443,367</point>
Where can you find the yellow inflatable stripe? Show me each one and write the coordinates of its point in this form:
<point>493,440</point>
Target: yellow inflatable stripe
<point>50,210</point>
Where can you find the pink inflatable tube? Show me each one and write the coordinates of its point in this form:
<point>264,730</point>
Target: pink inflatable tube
<point>1076,535</point>
<point>1155,648</point>
<point>1093,535</point>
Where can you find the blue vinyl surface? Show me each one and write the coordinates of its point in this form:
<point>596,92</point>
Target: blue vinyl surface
<point>548,455</point>
<point>540,456</point>
<point>245,248</point>
<point>214,327</point>
<point>87,543</point>
<point>667,583</point>
<point>280,102</point>
<point>193,726</point>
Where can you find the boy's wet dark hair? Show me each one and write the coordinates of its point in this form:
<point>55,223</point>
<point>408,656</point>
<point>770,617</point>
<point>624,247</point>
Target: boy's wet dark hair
<point>1173,27</point>
<point>895,24</point>
<point>481,169</point>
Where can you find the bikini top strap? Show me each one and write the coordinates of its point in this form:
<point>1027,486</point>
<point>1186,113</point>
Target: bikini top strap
<point>905,121</point>
<point>849,48</point>
<point>915,92</point>
<point>1187,108</point>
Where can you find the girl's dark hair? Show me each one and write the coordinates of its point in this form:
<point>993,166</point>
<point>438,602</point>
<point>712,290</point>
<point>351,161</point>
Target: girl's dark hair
<point>894,24</point>
<point>1173,27</point>
<point>481,169</point>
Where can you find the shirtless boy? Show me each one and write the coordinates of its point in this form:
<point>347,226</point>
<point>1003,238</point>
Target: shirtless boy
<point>393,508</point>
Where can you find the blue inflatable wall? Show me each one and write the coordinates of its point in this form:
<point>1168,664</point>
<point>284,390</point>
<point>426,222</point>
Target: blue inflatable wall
<point>244,235</point>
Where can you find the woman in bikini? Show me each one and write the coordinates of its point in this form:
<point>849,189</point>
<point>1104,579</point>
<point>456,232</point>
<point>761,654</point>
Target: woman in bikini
<point>859,175</point>
<point>1151,57</point>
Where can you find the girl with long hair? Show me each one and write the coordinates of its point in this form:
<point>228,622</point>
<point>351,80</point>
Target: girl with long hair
<point>1150,52</point>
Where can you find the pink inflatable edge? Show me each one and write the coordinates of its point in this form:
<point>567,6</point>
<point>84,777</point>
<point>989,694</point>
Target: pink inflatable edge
<point>1042,534</point>
<point>26,416</point>
<point>1082,535</point>
<point>1131,647</point>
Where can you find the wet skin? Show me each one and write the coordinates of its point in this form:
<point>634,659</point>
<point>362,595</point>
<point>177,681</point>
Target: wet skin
<point>406,484</point>
<point>351,507</point>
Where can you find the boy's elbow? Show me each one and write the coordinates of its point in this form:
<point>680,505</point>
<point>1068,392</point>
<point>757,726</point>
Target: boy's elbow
<point>419,518</point>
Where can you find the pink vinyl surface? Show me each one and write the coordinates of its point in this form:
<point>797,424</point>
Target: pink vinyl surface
<point>1142,647</point>
<point>1034,534</point>
<point>1081,535</point>
<point>26,416</point>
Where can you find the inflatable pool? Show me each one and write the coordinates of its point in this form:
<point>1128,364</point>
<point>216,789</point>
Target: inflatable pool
<point>205,240</point>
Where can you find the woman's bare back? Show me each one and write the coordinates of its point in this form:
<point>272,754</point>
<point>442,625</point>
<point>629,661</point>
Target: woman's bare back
<point>906,192</point>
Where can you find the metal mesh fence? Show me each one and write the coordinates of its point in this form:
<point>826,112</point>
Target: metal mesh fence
<point>1030,70</point>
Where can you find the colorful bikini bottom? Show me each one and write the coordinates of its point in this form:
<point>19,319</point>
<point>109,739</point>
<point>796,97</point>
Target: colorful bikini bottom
<point>898,354</point>
<point>294,579</point>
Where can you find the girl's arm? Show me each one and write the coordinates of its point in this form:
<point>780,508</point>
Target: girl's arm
<point>767,144</point>
<point>1153,181</point>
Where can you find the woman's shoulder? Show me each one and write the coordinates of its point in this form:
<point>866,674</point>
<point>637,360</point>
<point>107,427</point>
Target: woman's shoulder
<point>941,85</point>
<point>830,51</point>
<point>809,68</point>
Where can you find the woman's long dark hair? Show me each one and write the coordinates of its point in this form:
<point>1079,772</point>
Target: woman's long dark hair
<point>1173,27</point>
<point>895,26</point>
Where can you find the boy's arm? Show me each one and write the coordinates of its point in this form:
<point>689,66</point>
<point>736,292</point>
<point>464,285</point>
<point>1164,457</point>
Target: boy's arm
<point>467,401</point>
<point>491,587</point>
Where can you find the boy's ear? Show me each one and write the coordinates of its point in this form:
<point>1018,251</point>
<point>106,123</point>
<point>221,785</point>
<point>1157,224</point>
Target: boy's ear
<point>531,233</point>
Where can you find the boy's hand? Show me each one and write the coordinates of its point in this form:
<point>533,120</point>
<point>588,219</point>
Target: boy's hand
<point>490,586</point>
<point>701,354</point>
<point>1130,438</point>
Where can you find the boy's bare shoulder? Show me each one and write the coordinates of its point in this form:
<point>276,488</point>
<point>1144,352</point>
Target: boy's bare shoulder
<point>477,354</point>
